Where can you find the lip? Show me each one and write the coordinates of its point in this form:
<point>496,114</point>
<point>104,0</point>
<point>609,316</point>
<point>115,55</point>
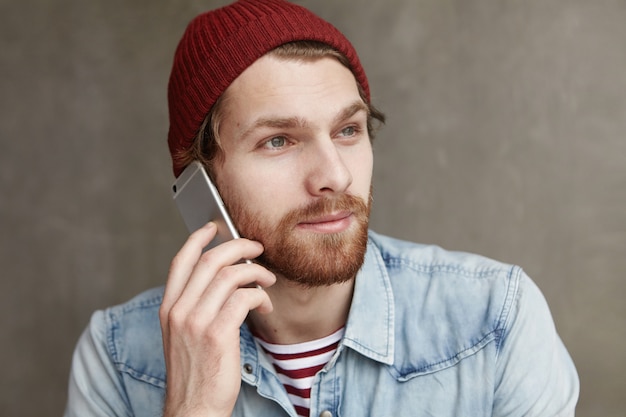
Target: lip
<point>329,223</point>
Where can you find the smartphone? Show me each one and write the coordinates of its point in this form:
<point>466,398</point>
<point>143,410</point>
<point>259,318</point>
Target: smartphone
<point>199,202</point>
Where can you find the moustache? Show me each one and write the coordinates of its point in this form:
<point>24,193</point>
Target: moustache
<point>328,205</point>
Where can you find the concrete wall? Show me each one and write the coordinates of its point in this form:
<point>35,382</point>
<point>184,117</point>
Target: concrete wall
<point>506,136</point>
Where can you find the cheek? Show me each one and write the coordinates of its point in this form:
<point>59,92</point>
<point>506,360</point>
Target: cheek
<point>258,193</point>
<point>361,167</point>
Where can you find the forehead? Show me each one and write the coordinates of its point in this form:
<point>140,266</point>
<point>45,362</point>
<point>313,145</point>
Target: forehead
<point>311,87</point>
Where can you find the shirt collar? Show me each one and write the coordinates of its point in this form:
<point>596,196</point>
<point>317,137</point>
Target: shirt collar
<point>370,327</point>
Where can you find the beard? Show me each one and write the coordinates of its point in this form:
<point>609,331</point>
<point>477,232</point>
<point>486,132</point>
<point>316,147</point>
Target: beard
<point>304,257</point>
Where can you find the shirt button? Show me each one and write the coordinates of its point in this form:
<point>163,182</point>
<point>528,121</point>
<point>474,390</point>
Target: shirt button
<point>247,368</point>
<point>326,414</point>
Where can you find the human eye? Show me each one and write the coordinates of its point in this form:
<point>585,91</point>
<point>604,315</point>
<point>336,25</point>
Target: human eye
<point>275,143</point>
<point>349,131</point>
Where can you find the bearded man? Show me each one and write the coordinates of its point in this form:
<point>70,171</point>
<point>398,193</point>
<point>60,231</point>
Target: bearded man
<point>331,319</point>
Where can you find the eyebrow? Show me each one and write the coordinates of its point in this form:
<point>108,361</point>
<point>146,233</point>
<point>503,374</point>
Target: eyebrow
<point>351,110</point>
<point>298,122</point>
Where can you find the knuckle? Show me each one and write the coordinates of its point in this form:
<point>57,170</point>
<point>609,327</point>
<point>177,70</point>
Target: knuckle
<point>244,298</point>
<point>213,336</point>
<point>225,275</point>
<point>194,321</point>
<point>196,326</point>
<point>176,317</point>
<point>176,262</point>
<point>163,313</point>
<point>207,258</point>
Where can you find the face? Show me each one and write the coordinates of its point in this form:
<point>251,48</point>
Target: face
<point>297,167</point>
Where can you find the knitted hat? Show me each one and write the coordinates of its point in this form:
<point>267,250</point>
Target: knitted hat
<point>219,45</point>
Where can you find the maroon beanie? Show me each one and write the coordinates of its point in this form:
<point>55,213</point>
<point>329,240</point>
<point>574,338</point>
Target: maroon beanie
<point>220,44</point>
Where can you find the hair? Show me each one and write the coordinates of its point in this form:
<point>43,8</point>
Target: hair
<point>206,146</point>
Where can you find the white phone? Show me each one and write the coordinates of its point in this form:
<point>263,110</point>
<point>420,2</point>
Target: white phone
<point>199,202</point>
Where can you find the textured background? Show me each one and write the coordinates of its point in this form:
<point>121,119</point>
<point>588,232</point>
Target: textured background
<point>505,136</point>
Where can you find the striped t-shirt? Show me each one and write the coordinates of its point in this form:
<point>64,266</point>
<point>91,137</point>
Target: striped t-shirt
<point>297,364</point>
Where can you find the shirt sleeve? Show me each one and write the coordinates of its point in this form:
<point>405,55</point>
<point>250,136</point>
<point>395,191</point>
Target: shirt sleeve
<point>95,386</point>
<point>535,374</point>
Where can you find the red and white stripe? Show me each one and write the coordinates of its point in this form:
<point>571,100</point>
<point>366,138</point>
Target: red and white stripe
<point>297,364</point>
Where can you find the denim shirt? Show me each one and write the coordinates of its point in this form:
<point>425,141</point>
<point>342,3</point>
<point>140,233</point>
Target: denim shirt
<point>430,333</point>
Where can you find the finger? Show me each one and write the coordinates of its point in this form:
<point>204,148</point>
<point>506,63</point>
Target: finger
<point>181,267</point>
<point>185,260</point>
<point>227,281</point>
<point>218,258</point>
<point>199,317</point>
<point>183,293</point>
<point>237,307</point>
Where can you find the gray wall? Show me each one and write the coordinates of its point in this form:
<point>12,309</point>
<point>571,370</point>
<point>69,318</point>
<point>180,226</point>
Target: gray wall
<point>505,136</point>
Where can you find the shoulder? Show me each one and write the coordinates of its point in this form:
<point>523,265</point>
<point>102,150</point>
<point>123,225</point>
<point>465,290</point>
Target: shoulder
<point>436,262</point>
<point>118,362</point>
<point>457,302</point>
<point>143,305</point>
<point>133,337</point>
<point>432,265</point>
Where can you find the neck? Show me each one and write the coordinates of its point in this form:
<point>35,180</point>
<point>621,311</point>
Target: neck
<point>302,314</point>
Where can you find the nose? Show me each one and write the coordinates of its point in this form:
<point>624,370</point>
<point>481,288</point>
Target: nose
<point>327,171</point>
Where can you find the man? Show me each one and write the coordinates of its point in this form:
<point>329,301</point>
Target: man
<point>342,321</point>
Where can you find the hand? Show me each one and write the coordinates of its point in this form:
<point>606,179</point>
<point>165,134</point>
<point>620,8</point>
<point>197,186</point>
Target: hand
<point>207,298</point>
